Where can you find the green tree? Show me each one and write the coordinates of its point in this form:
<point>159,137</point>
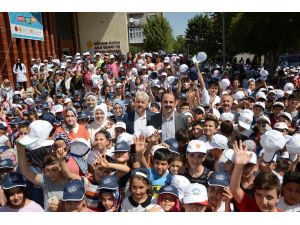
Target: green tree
<point>179,45</point>
<point>203,34</point>
<point>268,34</point>
<point>158,33</point>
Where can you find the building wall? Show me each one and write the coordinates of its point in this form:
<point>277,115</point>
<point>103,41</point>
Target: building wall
<point>12,48</point>
<point>102,27</point>
<point>26,49</point>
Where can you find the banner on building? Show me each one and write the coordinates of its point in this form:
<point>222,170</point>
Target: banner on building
<point>27,25</point>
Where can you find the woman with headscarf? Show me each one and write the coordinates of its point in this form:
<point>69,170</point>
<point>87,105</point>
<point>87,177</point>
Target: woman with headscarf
<point>19,70</point>
<point>7,89</point>
<point>71,127</point>
<point>100,121</point>
<point>91,102</point>
<point>119,109</point>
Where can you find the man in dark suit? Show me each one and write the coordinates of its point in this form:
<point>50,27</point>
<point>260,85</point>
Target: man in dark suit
<point>168,120</point>
<point>137,120</point>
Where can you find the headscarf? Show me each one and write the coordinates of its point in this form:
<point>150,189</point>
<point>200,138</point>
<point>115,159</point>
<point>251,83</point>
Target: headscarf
<point>103,108</point>
<point>118,101</point>
<point>176,208</point>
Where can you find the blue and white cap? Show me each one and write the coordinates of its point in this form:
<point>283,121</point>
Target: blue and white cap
<point>12,180</point>
<point>73,191</point>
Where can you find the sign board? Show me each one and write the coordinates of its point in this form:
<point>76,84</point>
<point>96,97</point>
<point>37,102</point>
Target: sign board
<point>109,47</point>
<point>26,25</point>
<point>291,60</point>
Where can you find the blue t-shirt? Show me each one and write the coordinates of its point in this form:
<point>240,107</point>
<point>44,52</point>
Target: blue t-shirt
<point>158,181</point>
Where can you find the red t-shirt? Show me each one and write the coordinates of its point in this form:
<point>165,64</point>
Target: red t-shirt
<point>248,204</point>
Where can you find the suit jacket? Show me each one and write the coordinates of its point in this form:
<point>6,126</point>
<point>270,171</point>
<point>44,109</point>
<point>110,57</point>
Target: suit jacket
<point>181,121</point>
<point>129,120</point>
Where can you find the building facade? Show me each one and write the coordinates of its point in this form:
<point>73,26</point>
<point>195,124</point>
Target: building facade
<point>60,37</point>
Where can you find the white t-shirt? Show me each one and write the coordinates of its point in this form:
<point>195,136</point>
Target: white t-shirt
<point>129,206</point>
<point>206,98</point>
<point>31,207</point>
<point>3,139</point>
<point>222,207</point>
<point>288,208</point>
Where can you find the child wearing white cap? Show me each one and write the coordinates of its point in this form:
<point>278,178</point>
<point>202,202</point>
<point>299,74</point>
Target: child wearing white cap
<point>195,198</point>
<point>195,154</point>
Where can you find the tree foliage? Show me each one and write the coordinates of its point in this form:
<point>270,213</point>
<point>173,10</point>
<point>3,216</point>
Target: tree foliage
<point>158,33</point>
<point>203,33</point>
<point>268,34</point>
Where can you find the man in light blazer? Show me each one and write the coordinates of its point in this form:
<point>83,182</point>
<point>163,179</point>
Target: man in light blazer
<point>168,120</point>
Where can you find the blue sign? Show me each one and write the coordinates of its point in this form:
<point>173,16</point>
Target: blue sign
<point>27,25</point>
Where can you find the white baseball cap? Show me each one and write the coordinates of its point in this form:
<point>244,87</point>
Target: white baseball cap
<point>149,130</point>
<point>239,95</point>
<point>288,88</point>
<point>219,141</point>
<point>229,154</point>
<point>260,104</point>
<point>224,83</point>
<point>196,146</point>
<point>281,126</point>
<point>120,125</point>
<point>287,115</point>
<point>261,95</point>
<point>181,183</point>
<point>39,130</point>
<point>265,118</point>
<point>183,68</point>
<point>293,146</point>
<point>195,193</point>
<point>111,56</point>
<point>166,59</point>
<point>279,93</point>
<point>274,158</point>
<point>245,120</point>
<point>272,141</point>
<point>278,104</point>
<point>227,116</point>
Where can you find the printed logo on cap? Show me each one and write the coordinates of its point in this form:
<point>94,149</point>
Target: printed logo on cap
<point>107,181</point>
<point>14,178</point>
<point>198,145</point>
<point>3,163</point>
<point>72,189</point>
<point>220,177</point>
<point>196,191</point>
<point>168,188</point>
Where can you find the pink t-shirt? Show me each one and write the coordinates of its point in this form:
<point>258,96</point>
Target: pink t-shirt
<point>31,207</point>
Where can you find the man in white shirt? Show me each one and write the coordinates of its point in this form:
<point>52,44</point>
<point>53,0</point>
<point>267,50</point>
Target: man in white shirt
<point>137,120</point>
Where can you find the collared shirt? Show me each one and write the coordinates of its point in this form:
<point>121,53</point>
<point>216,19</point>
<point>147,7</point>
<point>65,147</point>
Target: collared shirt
<point>140,123</point>
<point>168,127</point>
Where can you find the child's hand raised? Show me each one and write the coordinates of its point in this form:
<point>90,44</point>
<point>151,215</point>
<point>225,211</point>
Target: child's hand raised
<point>227,195</point>
<point>101,160</point>
<point>242,156</point>
<point>140,144</point>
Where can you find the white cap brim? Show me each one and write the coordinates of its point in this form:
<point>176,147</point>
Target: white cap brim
<point>27,140</point>
<point>244,125</point>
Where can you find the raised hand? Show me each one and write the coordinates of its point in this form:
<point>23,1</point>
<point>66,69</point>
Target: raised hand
<point>60,153</point>
<point>140,144</point>
<point>101,160</point>
<point>227,195</point>
<point>242,156</point>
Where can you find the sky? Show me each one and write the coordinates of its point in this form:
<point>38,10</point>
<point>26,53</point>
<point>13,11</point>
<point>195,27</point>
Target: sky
<point>179,21</point>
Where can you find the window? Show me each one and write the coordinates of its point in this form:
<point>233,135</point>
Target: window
<point>136,35</point>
